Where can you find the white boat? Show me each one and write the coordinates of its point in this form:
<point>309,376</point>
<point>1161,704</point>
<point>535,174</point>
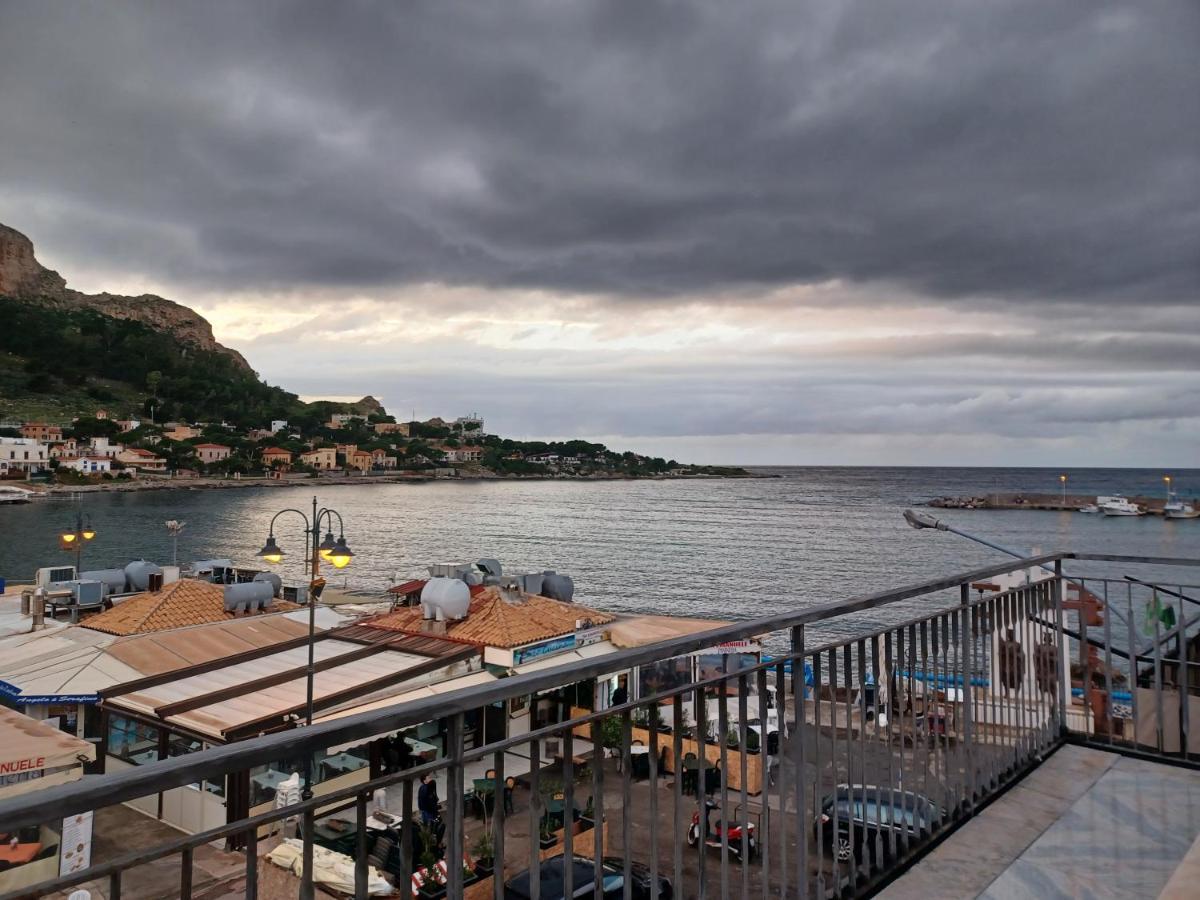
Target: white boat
<point>1177,509</point>
<point>1091,509</point>
<point>1119,506</point>
<point>9,494</point>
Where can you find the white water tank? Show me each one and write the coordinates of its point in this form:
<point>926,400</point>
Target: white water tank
<point>271,578</point>
<point>248,596</point>
<point>138,572</point>
<point>445,599</point>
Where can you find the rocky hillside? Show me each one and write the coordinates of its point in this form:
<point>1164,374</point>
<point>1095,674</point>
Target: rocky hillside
<point>23,278</point>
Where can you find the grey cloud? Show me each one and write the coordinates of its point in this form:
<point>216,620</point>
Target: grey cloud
<point>1016,151</point>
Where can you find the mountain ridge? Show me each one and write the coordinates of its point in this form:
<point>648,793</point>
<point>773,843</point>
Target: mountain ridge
<point>23,278</point>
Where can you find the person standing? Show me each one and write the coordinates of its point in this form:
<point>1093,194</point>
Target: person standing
<point>427,799</point>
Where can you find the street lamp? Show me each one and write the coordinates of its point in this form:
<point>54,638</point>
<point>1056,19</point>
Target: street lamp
<point>339,555</point>
<point>1063,480</point>
<point>74,537</point>
<point>1167,482</point>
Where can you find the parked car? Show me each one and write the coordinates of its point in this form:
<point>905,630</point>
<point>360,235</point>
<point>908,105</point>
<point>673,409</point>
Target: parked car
<point>612,873</point>
<point>855,815</point>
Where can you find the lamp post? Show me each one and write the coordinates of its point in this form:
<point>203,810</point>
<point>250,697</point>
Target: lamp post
<point>1167,482</point>
<point>74,537</point>
<point>338,555</point>
<point>1063,480</point>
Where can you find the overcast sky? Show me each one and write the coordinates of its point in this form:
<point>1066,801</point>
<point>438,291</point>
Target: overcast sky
<point>872,232</point>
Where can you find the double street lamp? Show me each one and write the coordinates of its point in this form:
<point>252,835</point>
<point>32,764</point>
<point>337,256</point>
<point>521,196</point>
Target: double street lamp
<point>337,554</point>
<point>73,538</point>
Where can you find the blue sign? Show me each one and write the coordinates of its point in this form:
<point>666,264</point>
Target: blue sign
<point>545,648</point>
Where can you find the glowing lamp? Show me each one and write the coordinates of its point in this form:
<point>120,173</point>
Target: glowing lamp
<point>270,551</point>
<point>340,555</point>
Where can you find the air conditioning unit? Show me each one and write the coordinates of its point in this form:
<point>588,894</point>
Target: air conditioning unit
<point>89,593</point>
<point>54,574</point>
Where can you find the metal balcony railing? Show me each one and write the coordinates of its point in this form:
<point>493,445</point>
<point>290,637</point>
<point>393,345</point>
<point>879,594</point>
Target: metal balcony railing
<point>822,771</point>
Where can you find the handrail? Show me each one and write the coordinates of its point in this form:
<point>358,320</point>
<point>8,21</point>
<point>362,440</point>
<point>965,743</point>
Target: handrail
<point>92,792</point>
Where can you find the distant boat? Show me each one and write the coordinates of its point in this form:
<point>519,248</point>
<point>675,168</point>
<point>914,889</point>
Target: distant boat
<point>1175,508</point>
<point>1091,509</point>
<point>1119,506</point>
<point>9,494</point>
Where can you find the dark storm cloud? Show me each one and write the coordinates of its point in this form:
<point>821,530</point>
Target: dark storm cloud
<point>1017,151</point>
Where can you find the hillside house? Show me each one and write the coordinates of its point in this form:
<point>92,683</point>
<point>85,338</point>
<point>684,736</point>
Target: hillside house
<point>22,456</point>
<point>40,431</point>
<point>381,459</point>
<point>142,460</point>
<point>211,453</point>
<point>321,458</point>
<point>102,446</point>
<point>65,447</point>
<point>87,465</point>
<point>276,456</point>
<point>178,432</point>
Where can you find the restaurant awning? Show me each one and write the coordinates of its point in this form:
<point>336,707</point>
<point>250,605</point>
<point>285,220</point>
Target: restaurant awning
<point>30,751</point>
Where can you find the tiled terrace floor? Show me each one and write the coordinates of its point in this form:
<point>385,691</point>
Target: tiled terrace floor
<point>1084,824</point>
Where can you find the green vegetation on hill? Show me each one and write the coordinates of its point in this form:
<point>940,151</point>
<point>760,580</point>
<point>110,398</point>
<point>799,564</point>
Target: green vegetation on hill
<point>72,361</point>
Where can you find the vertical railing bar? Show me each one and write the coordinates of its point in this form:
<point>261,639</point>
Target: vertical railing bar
<point>835,831</point>
<point>1133,660</point>
<point>861,653</point>
<point>1061,656</point>
<point>819,769</point>
<point>1108,666</point>
<point>723,760</point>
<point>701,715</point>
<point>499,814</point>
<point>655,716</point>
<point>781,787</point>
<point>949,752</point>
<point>456,790</point>
<point>968,691</point>
<point>536,812</point>
<point>936,742</point>
<point>848,678</point>
<point>797,739</point>
<point>677,788</point>
<point>877,675</point>
<point>743,775</point>
<point>1183,678</point>
<point>598,807</point>
<point>901,703</point>
<point>568,781</point>
<point>251,863</point>
<point>308,821</point>
<point>1158,681</point>
<point>1009,706</point>
<point>114,886</point>
<point>1089,718</point>
<point>360,848</point>
<point>998,737</point>
<point>924,632</point>
<point>764,843</point>
<point>185,874</point>
<point>627,803</point>
<point>406,840</point>
<point>889,672</point>
<point>1018,620</point>
<point>1029,701</point>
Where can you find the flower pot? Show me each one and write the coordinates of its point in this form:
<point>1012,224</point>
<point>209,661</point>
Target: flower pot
<point>547,842</point>
<point>431,891</point>
<point>484,868</point>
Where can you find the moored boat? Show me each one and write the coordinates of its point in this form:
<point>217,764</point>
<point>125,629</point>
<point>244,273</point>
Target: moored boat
<point>1119,506</point>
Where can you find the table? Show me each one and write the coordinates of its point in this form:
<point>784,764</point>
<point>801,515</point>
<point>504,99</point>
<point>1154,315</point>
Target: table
<point>336,834</point>
<point>20,854</point>
<point>146,756</point>
<point>421,750</point>
<point>266,782</point>
<point>343,763</point>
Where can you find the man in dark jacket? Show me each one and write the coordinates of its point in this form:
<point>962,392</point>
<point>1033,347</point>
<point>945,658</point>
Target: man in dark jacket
<point>427,799</point>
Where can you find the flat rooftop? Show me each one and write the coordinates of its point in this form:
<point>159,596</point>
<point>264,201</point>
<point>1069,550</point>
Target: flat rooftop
<point>1085,823</point>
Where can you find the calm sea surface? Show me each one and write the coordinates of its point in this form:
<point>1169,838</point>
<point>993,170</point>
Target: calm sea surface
<point>716,548</point>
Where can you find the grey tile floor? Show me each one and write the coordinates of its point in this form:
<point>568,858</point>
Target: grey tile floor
<point>1085,824</point>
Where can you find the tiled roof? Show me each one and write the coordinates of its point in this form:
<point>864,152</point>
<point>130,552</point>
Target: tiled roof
<point>179,604</point>
<point>277,451</point>
<point>409,587</point>
<point>495,621</point>
<point>211,447</point>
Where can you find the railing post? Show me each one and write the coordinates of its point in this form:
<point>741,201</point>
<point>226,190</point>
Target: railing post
<point>185,874</point>
<point>968,690</point>
<point>306,875</point>
<point>252,864</point>
<point>455,788</point>
<point>1062,649</point>
<point>360,848</point>
<point>797,738</point>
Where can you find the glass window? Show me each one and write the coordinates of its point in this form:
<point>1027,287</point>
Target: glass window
<point>665,675</point>
<point>344,762</point>
<point>132,741</point>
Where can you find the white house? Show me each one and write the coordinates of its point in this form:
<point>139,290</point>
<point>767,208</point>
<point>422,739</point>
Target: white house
<point>278,425</point>
<point>210,453</point>
<point>88,465</point>
<point>23,455</point>
<point>101,446</point>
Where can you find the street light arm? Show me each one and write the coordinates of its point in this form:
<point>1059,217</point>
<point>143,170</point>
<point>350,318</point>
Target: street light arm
<point>271,527</point>
<point>328,514</point>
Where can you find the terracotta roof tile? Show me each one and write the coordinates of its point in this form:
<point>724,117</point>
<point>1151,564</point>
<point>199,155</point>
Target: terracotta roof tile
<point>495,621</point>
<point>179,604</point>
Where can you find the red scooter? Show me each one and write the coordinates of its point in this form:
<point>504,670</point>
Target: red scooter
<point>712,838</point>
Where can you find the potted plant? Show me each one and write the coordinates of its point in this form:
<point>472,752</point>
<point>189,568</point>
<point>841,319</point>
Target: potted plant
<point>469,875</point>
<point>433,882</point>
<point>752,741</point>
<point>546,837</point>
<point>587,819</point>
<point>485,863</point>
<point>732,741</point>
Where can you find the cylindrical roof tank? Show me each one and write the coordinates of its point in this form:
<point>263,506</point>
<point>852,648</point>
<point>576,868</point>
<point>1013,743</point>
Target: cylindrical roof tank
<point>275,580</point>
<point>445,598</point>
<point>113,579</point>
<point>558,587</point>
<point>250,593</point>
<point>138,572</point>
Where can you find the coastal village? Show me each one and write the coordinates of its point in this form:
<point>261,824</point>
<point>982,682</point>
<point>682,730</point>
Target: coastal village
<point>106,448</point>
